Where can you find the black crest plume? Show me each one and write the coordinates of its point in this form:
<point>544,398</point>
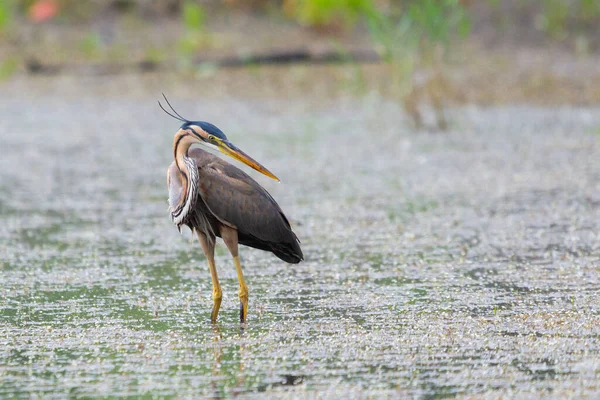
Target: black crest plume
<point>176,116</point>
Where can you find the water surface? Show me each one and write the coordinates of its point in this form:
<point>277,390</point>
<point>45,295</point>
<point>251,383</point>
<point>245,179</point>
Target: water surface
<point>437,264</point>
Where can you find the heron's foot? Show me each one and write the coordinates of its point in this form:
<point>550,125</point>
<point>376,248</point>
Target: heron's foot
<point>217,296</point>
<point>243,293</point>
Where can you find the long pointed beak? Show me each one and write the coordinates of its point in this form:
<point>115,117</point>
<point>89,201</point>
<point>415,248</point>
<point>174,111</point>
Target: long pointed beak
<point>233,151</point>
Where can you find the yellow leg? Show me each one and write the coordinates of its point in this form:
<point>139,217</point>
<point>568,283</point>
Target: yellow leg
<point>209,251</point>
<point>217,293</point>
<point>243,292</point>
<point>230,237</point>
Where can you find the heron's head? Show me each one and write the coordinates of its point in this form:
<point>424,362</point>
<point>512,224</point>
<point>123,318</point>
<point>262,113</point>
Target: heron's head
<point>210,136</point>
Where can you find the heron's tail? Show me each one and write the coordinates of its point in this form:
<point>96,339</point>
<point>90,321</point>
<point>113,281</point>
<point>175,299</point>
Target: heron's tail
<point>288,252</point>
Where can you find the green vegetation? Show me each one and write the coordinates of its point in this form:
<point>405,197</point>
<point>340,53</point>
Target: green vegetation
<point>327,12</point>
<point>8,67</point>
<point>439,20</point>
<point>409,35</point>
<point>195,36</point>
<point>553,19</point>
<point>90,45</point>
<point>6,14</point>
<point>558,17</point>
<point>154,55</point>
<point>418,35</point>
<point>193,16</point>
<point>438,17</point>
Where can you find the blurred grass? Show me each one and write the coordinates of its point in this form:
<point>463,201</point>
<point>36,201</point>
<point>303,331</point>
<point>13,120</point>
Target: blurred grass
<point>327,12</point>
<point>412,37</point>
<point>8,67</point>
<point>419,36</point>
<point>552,16</point>
<point>90,45</point>
<point>6,14</point>
<point>559,18</point>
<point>194,36</point>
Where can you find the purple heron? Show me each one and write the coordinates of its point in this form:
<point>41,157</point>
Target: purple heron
<point>216,199</point>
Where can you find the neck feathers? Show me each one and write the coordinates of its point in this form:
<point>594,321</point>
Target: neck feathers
<point>181,144</point>
<point>188,172</point>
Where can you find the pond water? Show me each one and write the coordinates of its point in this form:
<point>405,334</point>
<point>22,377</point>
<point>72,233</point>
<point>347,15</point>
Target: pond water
<point>437,264</point>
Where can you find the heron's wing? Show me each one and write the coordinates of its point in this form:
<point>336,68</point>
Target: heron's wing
<point>239,201</point>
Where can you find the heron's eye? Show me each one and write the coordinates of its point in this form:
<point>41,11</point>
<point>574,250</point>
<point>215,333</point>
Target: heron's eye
<point>211,137</point>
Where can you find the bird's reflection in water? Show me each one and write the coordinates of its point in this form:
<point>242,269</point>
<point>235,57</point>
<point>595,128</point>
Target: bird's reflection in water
<point>227,372</point>
<point>241,377</point>
<point>216,368</point>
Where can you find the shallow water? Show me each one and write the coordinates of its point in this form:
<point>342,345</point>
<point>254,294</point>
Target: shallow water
<point>437,264</point>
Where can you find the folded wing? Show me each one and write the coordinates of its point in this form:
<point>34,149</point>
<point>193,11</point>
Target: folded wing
<point>238,201</point>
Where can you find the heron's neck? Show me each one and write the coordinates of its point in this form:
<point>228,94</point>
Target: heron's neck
<point>187,168</point>
<point>189,176</point>
<point>181,146</point>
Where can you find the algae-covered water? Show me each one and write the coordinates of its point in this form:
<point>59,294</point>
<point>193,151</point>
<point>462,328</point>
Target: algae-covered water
<point>463,263</point>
